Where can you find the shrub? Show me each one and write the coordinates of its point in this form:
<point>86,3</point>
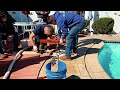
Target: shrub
<point>103,25</point>
<point>87,23</point>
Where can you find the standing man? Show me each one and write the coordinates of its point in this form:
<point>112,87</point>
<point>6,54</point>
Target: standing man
<point>40,32</point>
<point>70,25</point>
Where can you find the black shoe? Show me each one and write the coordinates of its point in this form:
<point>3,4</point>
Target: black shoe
<point>74,50</point>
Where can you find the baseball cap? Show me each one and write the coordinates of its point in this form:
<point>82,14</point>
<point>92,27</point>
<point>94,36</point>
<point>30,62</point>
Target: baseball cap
<point>51,13</point>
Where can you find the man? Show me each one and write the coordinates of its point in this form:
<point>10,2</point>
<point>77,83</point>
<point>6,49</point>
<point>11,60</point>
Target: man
<point>70,25</point>
<point>40,32</point>
<point>7,31</point>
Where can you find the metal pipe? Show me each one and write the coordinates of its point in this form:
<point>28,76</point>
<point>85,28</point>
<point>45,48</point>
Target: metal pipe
<point>14,60</point>
<point>51,41</point>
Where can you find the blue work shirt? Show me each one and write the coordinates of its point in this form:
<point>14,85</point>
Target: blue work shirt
<point>39,31</point>
<point>66,20</point>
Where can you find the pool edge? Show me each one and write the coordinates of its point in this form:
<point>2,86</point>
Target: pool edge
<point>94,67</point>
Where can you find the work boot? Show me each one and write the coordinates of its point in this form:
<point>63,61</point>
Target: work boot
<point>74,50</point>
<point>65,58</point>
<point>2,56</point>
<point>74,53</point>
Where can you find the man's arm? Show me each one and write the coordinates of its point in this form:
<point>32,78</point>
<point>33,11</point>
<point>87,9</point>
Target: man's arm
<point>64,29</point>
<point>32,35</point>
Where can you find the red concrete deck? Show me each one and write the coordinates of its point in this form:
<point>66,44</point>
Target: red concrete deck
<point>28,66</point>
<point>4,65</point>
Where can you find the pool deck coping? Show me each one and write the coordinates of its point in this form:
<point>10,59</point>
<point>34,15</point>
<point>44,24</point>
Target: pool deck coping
<point>84,67</point>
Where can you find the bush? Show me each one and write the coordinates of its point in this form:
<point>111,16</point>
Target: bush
<point>103,25</point>
<point>87,23</point>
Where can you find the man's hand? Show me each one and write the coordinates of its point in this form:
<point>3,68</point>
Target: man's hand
<point>35,48</point>
<point>47,51</point>
<point>61,41</point>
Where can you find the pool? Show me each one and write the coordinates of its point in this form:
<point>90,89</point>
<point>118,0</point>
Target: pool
<point>109,58</point>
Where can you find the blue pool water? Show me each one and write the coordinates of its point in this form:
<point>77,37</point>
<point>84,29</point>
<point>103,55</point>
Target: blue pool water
<point>109,58</point>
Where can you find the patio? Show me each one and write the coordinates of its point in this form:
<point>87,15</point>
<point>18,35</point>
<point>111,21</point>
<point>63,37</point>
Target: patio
<point>85,66</point>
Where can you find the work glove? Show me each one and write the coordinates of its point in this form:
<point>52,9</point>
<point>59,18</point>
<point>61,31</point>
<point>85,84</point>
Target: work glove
<point>61,41</point>
<point>47,51</point>
<point>35,48</point>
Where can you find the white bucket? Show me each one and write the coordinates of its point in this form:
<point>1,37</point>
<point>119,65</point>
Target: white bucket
<point>24,42</point>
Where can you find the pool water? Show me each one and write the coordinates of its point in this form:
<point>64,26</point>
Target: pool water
<point>109,58</point>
